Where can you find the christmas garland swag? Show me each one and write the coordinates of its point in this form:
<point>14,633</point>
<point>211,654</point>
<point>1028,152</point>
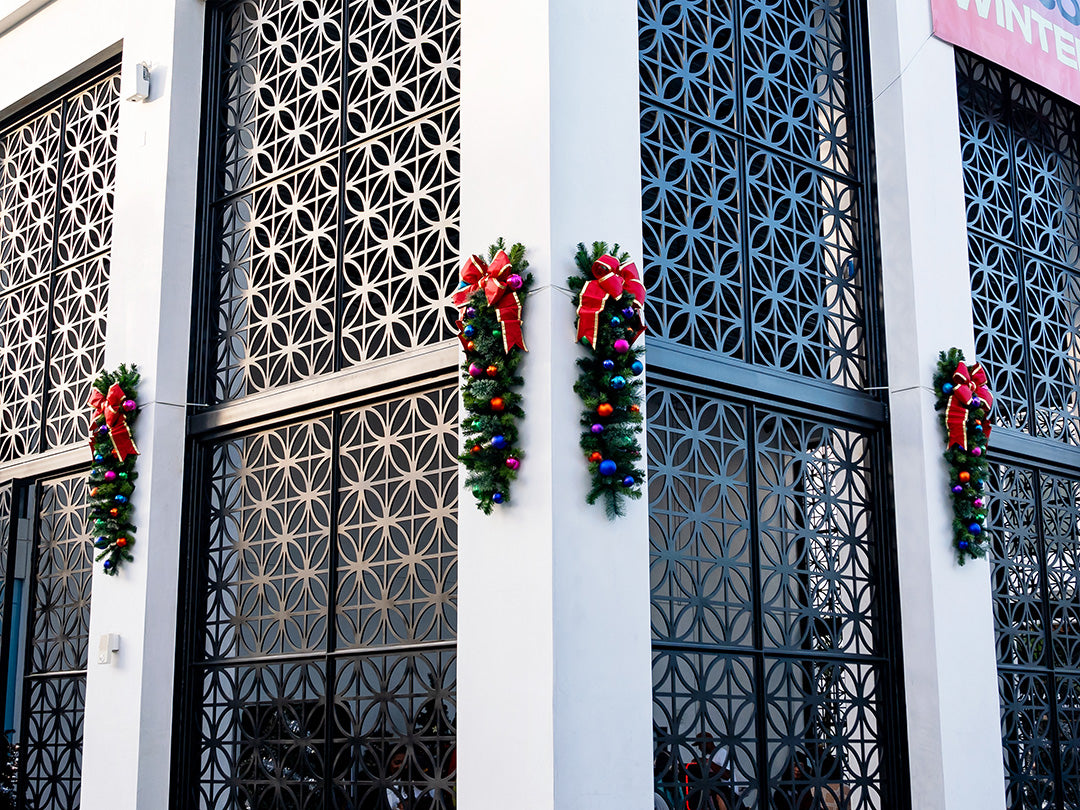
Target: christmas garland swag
<point>490,302</point>
<point>113,409</point>
<point>609,298</point>
<point>964,402</point>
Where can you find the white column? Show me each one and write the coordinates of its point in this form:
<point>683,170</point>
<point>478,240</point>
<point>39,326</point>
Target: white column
<point>128,722</point>
<point>950,671</point>
<point>554,675</point>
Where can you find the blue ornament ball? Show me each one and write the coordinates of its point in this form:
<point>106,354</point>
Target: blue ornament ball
<point>499,442</point>
<point>618,382</point>
<point>108,565</point>
<point>120,499</point>
<point>608,467</point>
<point>947,388</point>
<point>497,497</point>
<point>98,457</point>
<point>469,330</point>
<point>101,542</point>
<point>609,365</point>
<point>628,481</point>
<point>979,428</point>
<point>628,313</point>
<point>616,321</point>
<point>963,544</point>
<point>636,367</point>
<point>974,528</point>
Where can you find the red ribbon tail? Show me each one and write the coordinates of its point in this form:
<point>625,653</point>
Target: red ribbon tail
<point>956,420</point>
<point>593,298</point>
<point>508,313</point>
<point>121,439</point>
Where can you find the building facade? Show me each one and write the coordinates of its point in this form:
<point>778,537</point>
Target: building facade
<point>821,195</point>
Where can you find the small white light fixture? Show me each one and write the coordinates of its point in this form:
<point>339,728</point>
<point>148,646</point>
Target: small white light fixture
<point>108,645</point>
<point>140,82</point>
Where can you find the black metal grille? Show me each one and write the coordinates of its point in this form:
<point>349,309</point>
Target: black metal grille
<point>775,674</point>
<point>326,652</point>
<point>54,688</point>
<point>753,183</point>
<point>56,187</point>
<point>333,187</point>
<point>1022,188</point>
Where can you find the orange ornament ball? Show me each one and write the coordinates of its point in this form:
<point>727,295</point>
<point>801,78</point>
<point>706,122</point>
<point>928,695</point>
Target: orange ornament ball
<point>594,456</point>
<point>497,403</point>
<point>476,448</point>
<point>121,541</point>
<point>492,370</point>
<point>94,492</point>
<point>634,409</point>
<point>964,476</point>
<point>470,346</point>
<point>114,511</point>
<point>605,409</point>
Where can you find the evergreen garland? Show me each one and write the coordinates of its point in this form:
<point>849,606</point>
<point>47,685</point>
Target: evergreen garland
<point>493,408</point>
<point>610,391</point>
<point>112,481</point>
<point>968,468</point>
<point>9,773</point>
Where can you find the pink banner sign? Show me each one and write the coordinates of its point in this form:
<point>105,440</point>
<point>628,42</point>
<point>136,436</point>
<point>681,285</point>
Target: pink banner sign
<point>1039,39</point>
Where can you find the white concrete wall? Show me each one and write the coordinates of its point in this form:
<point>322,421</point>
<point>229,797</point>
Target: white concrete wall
<point>554,678</point>
<point>950,672</point>
<point>128,721</point>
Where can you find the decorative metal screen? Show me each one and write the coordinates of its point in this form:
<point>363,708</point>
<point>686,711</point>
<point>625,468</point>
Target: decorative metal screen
<point>754,183</point>
<point>333,192</point>
<point>1036,568</point>
<point>1022,187</point>
<point>56,188</point>
<point>775,673</point>
<point>326,663</point>
<point>54,689</point>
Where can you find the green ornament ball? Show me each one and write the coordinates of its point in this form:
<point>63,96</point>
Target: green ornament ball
<point>496,332</point>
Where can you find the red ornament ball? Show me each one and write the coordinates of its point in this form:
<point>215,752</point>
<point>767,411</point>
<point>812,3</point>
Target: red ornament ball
<point>492,370</point>
<point>114,511</point>
<point>121,541</point>
<point>595,456</point>
<point>476,448</point>
<point>497,404</point>
<point>605,409</point>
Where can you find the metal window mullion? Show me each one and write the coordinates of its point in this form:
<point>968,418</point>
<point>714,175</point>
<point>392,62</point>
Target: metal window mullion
<point>337,361</point>
<point>33,508</point>
<point>330,660</point>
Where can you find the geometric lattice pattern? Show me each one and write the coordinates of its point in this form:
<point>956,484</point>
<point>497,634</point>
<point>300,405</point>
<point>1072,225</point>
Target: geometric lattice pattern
<point>1035,576</point>
<point>54,688</point>
<point>754,236</point>
<point>334,183</point>
<point>1022,186</point>
<point>56,189</point>
<point>767,604</point>
<point>327,537</point>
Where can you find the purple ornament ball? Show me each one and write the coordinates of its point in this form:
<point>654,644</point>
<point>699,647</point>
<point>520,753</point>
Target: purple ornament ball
<point>475,370</point>
<point>976,451</point>
<point>110,475</point>
<point>621,346</point>
<point>470,312</point>
<point>628,313</point>
<point>978,502</point>
<point>957,489</point>
<point>597,428</point>
<point>513,463</point>
<point>129,405</point>
<point>514,282</point>
<point>103,430</point>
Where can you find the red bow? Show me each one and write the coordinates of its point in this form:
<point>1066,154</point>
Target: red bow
<point>476,274</point>
<point>108,409</point>
<point>968,383</point>
<point>611,280</point>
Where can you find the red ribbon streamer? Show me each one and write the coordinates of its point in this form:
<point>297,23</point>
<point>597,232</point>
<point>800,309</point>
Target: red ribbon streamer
<point>479,275</point>
<point>968,383</point>
<point>108,409</point>
<point>611,280</point>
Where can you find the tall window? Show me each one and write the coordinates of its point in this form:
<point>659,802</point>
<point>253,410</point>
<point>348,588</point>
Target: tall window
<point>318,658</point>
<point>776,678</point>
<point>1022,184</point>
<point>57,173</point>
